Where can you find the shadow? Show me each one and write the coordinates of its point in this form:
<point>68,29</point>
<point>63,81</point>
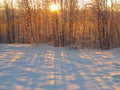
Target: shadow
<point>48,68</point>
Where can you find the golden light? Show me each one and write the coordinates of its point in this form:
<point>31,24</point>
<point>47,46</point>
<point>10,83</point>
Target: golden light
<point>54,7</point>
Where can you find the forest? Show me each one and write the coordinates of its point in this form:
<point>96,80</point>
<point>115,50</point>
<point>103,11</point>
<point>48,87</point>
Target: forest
<point>95,24</point>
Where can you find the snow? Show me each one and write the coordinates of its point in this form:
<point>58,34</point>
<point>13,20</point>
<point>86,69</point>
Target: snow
<point>32,67</point>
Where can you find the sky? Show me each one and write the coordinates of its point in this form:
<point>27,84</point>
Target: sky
<point>9,0</point>
<point>14,1</point>
<point>82,2</point>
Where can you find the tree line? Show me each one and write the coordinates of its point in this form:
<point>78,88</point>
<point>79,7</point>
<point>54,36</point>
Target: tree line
<point>92,25</point>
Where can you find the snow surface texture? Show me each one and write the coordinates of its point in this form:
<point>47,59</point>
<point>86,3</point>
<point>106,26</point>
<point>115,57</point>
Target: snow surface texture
<point>29,67</point>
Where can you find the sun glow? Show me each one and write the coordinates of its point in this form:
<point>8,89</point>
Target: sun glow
<point>54,7</point>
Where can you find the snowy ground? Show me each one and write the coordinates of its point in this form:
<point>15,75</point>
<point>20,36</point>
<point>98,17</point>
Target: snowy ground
<point>25,67</point>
